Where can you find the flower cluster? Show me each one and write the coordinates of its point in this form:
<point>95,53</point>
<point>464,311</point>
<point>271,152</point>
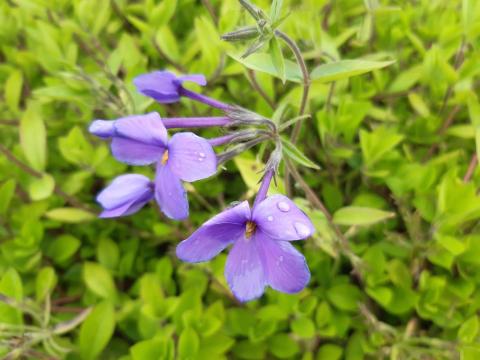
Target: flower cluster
<point>261,254</point>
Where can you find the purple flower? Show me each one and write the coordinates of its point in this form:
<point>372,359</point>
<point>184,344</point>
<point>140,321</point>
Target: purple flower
<point>166,88</point>
<point>125,195</point>
<point>143,140</point>
<point>261,254</point>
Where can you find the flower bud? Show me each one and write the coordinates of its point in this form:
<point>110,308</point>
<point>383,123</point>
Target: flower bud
<point>244,33</point>
<point>256,13</point>
<point>241,116</point>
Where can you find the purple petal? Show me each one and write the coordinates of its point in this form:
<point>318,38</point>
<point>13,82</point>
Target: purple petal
<point>191,157</point>
<point>124,210</point>
<point>148,129</point>
<point>134,152</point>
<point>215,235</point>
<point>125,195</point>
<point>170,194</point>
<point>159,85</point>
<point>280,218</point>
<point>285,267</point>
<point>102,128</point>
<point>244,270</point>
<point>195,78</point>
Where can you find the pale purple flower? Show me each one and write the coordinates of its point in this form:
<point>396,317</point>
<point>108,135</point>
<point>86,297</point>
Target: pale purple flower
<point>261,254</point>
<point>143,140</point>
<point>166,87</point>
<point>125,195</point>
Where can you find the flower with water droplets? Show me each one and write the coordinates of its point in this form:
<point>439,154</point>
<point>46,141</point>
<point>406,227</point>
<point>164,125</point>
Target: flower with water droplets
<point>166,88</point>
<point>261,254</point>
<point>143,140</point>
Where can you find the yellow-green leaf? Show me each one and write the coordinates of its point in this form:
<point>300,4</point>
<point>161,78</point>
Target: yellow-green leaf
<point>33,137</point>
<point>70,215</point>
<point>344,69</point>
<point>357,215</point>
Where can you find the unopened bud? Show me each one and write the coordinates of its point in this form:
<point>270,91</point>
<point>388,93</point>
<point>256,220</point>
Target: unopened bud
<point>241,116</point>
<point>256,13</point>
<point>245,33</point>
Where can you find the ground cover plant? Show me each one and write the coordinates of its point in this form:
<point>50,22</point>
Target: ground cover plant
<point>361,116</point>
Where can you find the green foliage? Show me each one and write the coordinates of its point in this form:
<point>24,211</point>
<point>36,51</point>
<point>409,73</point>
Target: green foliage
<point>388,149</point>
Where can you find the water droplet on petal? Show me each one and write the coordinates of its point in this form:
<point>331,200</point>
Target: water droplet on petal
<point>200,159</point>
<point>202,154</point>
<point>280,260</point>
<point>270,218</point>
<point>283,206</point>
<point>301,229</point>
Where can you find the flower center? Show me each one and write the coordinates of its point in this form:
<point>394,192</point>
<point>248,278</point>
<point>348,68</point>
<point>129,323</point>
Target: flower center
<point>164,157</point>
<point>250,228</point>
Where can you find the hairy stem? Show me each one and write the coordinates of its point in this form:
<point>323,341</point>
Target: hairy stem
<point>306,79</point>
<point>303,104</point>
<point>204,99</point>
<point>227,155</point>
<point>316,202</point>
<point>262,192</point>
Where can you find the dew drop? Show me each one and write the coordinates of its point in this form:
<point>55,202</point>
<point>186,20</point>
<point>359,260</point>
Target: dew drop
<point>270,218</point>
<point>201,154</point>
<point>200,159</point>
<point>283,206</point>
<point>301,229</point>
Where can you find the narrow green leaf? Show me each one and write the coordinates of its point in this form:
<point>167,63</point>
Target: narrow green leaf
<point>70,215</point>
<point>13,90</point>
<point>150,349</point>
<point>163,13</point>
<point>275,10</point>
<point>62,248</point>
<point>277,58</point>
<point>469,330</point>
<point>283,346</point>
<point>418,104</point>
<point>344,69</point>
<point>344,296</point>
<point>296,155</point>
<point>96,331</point>
<point>188,344</point>
<point>356,215</point>
<point>303,327</point>
<point>11,286</point>
<point>99,281</point>
<point>263,62</point>
<point>33,137</point>
<point>330,352</point>
<point>7,189</point>
<point>477,141</point>
<point>45,282</point>
<point>41,188</point>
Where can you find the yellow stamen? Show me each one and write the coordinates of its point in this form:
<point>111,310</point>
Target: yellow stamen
<point>164,157</point>
<point>250,229</point>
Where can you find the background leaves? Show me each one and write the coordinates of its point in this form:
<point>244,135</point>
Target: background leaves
<point>394,141</point>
